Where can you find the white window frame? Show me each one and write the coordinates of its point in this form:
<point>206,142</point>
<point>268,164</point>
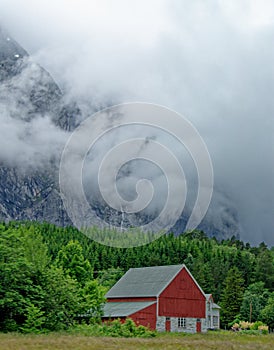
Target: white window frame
<point>181,322</point>
<point>208,306</point>
<point>215,321</point>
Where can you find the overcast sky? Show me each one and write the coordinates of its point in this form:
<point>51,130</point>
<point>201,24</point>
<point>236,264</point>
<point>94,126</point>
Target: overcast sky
<point>210,60</point>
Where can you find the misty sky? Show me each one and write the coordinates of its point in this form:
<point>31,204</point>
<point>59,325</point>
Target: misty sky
<point>211,61</point>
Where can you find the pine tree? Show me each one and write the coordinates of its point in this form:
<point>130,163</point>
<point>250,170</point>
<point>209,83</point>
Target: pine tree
<point>72,260</point>
<point>264,270</point>
<point>254,300</point>
<point>232,296</point>
<point>267,314</point>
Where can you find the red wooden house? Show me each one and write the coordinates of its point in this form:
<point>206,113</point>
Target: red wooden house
<point>161,297</point>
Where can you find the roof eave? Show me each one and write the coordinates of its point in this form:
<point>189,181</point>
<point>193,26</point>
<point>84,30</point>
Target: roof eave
<point>132,297</point>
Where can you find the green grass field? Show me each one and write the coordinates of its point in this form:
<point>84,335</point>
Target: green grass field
<point>58,341</point>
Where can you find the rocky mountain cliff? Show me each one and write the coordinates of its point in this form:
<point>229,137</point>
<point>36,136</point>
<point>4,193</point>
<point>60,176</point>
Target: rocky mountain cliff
<point>32,106</point>
<point>27,91</point>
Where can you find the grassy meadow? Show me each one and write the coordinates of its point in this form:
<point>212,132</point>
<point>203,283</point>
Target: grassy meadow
<point>62,341</point>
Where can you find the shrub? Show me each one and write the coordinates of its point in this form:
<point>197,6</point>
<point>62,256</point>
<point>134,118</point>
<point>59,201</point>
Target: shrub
<point>113,329</point>
<point>235,326</point>
<point>246,325</point>
<point>256,325</point>
<point>34,321</point>
<point>236,320</point>
<point>263,329</point>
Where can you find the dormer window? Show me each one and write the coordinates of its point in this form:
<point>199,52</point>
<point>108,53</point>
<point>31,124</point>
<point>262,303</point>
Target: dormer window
<point>208,306</point>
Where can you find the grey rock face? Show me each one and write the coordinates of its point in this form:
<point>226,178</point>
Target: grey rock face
<point>10,56</point>
<point>27,91</point>
<point>32,196</point>
<point>29,187</point>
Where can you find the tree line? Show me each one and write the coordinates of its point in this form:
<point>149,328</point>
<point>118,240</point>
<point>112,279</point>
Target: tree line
<point>50,275</point>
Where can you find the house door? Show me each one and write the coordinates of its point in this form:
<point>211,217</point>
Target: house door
<point>167,324</point>
<point>198,326</point>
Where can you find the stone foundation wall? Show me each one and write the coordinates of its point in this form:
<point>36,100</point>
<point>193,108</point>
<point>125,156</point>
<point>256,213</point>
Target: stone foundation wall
<point>190,325</point>
<point>161,324</point>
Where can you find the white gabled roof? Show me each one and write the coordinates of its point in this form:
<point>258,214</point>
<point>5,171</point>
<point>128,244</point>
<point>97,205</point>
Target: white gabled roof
<point>123,309</point>
<point>146,281</point>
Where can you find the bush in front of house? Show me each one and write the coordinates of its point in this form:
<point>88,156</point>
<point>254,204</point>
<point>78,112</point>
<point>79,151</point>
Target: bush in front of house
<point>257,327</point>
<point>115,328</point>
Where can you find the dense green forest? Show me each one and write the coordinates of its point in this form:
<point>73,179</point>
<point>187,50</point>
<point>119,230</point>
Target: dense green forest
<point>50,275</point>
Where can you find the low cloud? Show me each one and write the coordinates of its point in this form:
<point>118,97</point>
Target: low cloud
<point>209,60</point>
<point>29,136</point>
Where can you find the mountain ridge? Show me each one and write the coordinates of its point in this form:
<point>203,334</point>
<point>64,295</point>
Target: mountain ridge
<point>30,98</point>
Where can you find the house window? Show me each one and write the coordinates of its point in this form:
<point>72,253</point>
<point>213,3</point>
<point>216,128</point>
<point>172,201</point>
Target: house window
<point>208,306</point>
<point>215,321</point>
<point>181,322</point>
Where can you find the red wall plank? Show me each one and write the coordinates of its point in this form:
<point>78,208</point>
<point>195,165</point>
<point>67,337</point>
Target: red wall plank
<point>145,317</point>
<point>110,319</point>
<point>182,298</point>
